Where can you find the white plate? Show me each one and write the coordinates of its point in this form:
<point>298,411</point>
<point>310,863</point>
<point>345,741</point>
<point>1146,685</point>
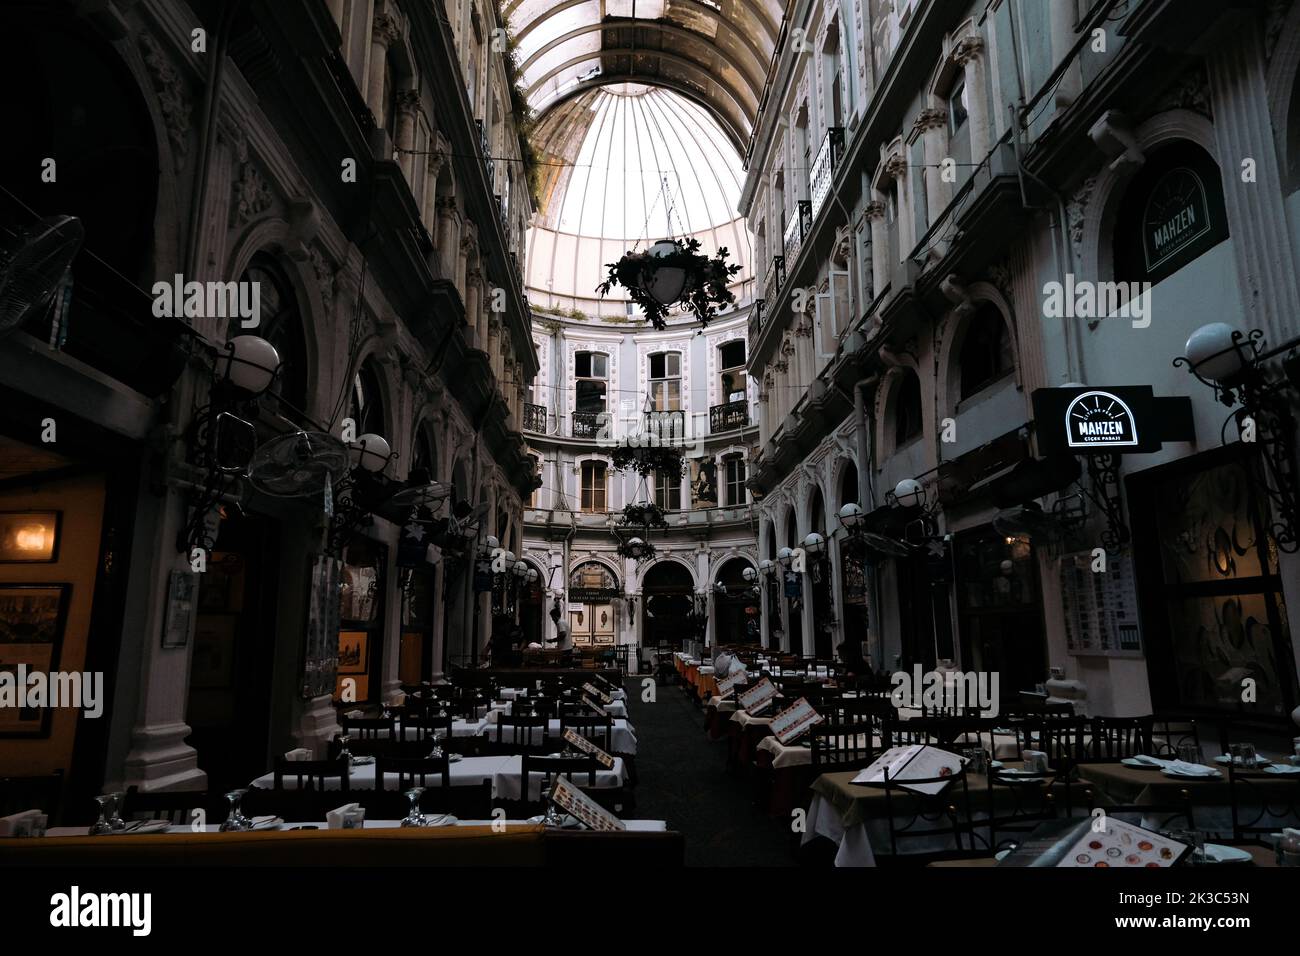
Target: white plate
<point>1282,770</point>
<point>1218,853</point>
<point>136,827</point>
<point>1216,775</point>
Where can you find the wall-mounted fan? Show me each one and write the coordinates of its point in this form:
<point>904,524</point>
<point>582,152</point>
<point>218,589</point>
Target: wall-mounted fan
<point>35,267</point>
<point>298,464</point>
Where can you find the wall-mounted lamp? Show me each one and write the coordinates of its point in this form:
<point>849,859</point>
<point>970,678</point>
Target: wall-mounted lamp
<point>785,557</point>
<point>851,517</point>
<point>814,545</point>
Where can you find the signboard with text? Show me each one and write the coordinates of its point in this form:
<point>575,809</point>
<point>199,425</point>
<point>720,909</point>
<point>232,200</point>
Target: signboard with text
<point>790,723</point>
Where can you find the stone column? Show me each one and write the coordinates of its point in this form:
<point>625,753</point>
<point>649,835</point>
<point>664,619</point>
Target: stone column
<point>875,213</point>
<point>932,126</point>
<point>969,55</point>
<point>1063,37</point>
<point>385,31</point>
<point>408,105</point>
<point>1243,130</point>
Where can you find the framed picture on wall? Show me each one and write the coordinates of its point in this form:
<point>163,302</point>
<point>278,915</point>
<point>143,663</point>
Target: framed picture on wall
<point>32,619</point>
<point>29,537</point>
<point>182,596</point>
<point>354,652</point>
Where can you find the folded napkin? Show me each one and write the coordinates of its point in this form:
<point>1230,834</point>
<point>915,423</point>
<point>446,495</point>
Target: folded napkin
<point>1150,761</point>
<point>1280,769</point>
<point>334,819</point>
<point>1190,769</point>
<point>24,824</point>
<point>355,714</point>
<point>298,753</point>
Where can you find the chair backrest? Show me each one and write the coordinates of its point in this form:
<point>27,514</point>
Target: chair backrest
<point>580,770</point>
<point>1114,738</point>
<point>1014,804</point>
<point>368,728</point>
<point>599,730</point>
<point>1173,814</point>
<point>519,729</point>
<point>842,746</point>
<point>1169,732</point>
<point>941,818</point>
<point>1262,802</point>
<point>1061,738</point>
<point>419,727</point>
<point>310,774</point>
<point>412,772</point>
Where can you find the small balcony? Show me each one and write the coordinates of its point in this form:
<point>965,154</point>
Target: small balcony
<point>586,424</point>
<point>487,152</point>
<point>774,278</point>
<point>797,230</point>
<point>824,166</point>
<point>729,416</point>
<point>667,427</point>
<point>535,418</point>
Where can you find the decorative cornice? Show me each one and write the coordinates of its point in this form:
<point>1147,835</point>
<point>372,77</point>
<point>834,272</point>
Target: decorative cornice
<point>930,119</point>
<point>967,48</point>
<point>875,210</point>
<point>251,196</point>
<point>387,29</point>
<point>172,98</point>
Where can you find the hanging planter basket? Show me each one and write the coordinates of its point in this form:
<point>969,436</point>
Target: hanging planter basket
<point>646,459</point>
<point>673,271</point>
<point>643,514</point>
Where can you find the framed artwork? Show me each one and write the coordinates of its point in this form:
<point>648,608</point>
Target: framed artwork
<point>354,652</point>
<point>213,664</point>
<point>29,537</point>
<point>33,613</point>
<point>32,619</point>
<point>178,623</point>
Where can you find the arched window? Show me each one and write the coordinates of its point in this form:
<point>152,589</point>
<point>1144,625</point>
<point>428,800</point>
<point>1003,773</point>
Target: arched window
<point>985,351</point>
<point>1171,214</point>
<point>424,456</point>
<point>280,324</point>
<point>907,408</point>
<point>366,405</point>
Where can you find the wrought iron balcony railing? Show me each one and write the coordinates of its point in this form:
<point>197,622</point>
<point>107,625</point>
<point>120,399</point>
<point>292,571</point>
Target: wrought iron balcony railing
<point>535,418</point>
<point>586,424</point>
<point>728,416</point>
<point>487,152</point>
<point>824,166</point>
<point>797,229</point>
<point>775,276</point>
<point>760,312</point>
<point>667,427</point>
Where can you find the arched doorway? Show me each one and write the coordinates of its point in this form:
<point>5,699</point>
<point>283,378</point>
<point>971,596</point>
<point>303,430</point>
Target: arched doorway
<point>819,583</point>
<point>667,600</point>
<point>592,590</point>
<point>734,606</point>
<point>793,588</point>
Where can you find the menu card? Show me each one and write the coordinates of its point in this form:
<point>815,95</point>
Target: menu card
<point>725,686</point>
<point>594,706</point>
<point>586,746</point>
<point>795,720</point>
<point>595,691</point>
<point>1075,843</point>
<point>757,697</point>
<point>571,800</point>
<point>913,762</point>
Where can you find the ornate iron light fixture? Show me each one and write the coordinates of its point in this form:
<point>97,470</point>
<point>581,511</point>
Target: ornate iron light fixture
<point>1236,365</point>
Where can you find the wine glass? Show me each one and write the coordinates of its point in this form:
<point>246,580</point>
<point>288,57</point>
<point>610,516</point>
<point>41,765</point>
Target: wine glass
<point>436,753</point>
<point>102,826</point>
<point>345,754</point>
<point>236,821</point>
<point>414,818</point>
<point>115,816</point>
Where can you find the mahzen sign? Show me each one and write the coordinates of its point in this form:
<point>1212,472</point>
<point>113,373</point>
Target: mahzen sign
<point>1098,420</point>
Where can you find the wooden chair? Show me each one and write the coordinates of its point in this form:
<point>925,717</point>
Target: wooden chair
<point>599,730</point>
<point>516,734</point>
<point>310,774</point>
<point>1114,738</point>
<point>423,729</point>
<point>1169,732</point>
<point>412,772</point>
<point>368,729</point>
<point>579,770</point>
<point>943,818</point>
<point>842,746</point>
<point>1262,803</point>
<point>1061,738</point>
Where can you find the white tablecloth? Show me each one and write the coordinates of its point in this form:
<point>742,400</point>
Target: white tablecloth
<point>642,826</point>
<point>510,693</point>
<point>615,708</point>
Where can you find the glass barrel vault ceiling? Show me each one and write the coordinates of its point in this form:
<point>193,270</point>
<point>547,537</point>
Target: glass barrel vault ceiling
<point>638,102</point>
<point>714,52</point>
<point>627,165</point>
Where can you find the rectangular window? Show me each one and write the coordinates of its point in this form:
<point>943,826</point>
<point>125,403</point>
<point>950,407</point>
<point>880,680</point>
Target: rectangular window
<point>666,381</point>
<point>958,107</point>
<point>668,491</point>
<point>590,370</point>
<point>735,473</point>
<point>731,375</point>
<point>593,486</point>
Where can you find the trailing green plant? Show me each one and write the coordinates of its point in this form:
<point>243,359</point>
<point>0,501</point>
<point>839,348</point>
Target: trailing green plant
<point>525,121</point>
<point>646,459</point>
<point>704,290</point>
<point>643,514</point>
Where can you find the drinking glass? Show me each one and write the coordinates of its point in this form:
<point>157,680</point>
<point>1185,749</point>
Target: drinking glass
<point>344,753</point>
<point>1249,758</point>
<point>102,826</point>
<point>414,818</point>
<point>1190,752</point>
<point>236,821</point>
<point>115,815</point>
